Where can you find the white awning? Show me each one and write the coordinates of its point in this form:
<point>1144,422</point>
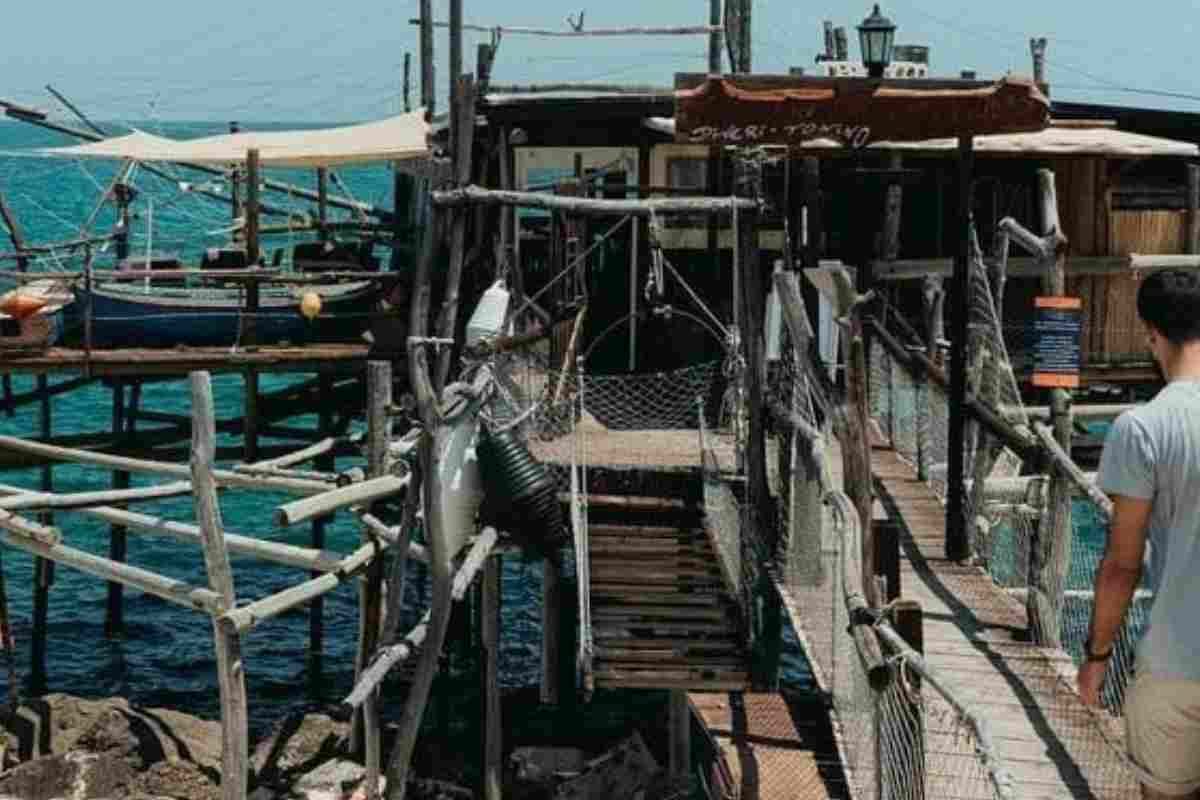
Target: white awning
<point>394,139</point>
<point>1066,140</point>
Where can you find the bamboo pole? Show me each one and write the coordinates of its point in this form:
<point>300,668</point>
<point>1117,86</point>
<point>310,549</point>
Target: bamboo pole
<point>224,478</point>
<point>231,678</point>
<point>466,195</point>
<point>428,91</point>
<point>321,505</point>
<point>324,461</point>
<point>43,569</point>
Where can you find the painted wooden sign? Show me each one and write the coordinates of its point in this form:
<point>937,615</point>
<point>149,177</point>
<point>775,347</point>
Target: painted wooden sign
<point>854,112</point>
<point>1057,326</point>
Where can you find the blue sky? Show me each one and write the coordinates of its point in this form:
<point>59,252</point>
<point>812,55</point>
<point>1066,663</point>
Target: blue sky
<point>291,61</point>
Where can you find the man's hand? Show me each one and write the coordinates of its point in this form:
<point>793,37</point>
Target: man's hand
<point>1091,681</point>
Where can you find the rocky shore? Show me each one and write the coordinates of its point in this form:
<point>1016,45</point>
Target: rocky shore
<point>61,746</point>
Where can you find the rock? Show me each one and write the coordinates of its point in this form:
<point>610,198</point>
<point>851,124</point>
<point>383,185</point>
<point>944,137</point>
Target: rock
<point>77,775</point>
<point>539,765</point>
<point>332,780</point>
<point>297,745</point>
<point>625,771</point>
<point>179,780</point>
<point>59,723</point>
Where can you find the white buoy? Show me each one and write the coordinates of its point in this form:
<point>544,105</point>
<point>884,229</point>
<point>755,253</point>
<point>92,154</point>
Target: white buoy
<point>487,321</point>
<point>773,323</point>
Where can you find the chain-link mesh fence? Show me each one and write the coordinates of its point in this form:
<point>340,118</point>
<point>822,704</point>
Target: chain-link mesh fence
<point>1009,519</point>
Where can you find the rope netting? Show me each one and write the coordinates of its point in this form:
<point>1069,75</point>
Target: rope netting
<point>1041,584</point>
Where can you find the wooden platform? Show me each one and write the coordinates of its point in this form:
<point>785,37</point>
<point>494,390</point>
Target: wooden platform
<point>974,637</point>
<point>770,747</point>
<point>652,450</point>
<point>182,360</point>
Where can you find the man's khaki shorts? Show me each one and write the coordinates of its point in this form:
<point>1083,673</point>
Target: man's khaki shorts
<point>1162,727</point>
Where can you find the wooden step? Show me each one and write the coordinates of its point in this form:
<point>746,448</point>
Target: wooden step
<point>640,611</point>
<point>613,677</point>
<point>612,547</point>
<point>647,629</point>
<point>598,529</point>
<point>661,575</point>
<point>728,659</point>
<point>620,637</point>
<point>629,502</point>
<point>633,595</point>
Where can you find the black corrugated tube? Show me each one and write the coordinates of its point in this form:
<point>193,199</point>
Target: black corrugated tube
<point>522,495</point>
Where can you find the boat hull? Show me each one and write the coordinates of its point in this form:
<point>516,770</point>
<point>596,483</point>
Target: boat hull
<point>130,317</point>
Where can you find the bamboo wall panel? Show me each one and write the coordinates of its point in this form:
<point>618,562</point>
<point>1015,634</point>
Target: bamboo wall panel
<point>1122,336</point>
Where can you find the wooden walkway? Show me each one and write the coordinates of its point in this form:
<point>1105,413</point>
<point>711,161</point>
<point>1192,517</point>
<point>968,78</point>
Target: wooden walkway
<point>1053,746</point>
<point>770,746</point>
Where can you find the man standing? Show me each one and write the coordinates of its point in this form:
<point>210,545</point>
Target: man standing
<point>1150,468</point>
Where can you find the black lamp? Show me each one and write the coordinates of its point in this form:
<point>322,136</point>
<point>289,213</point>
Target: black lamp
<point>875,37</point>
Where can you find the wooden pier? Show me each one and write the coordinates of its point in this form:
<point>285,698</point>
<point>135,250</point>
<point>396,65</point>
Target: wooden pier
<point>974,635</point>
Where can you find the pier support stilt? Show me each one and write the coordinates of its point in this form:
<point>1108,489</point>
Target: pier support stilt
<point>250,446</point>
<point>324,463</point>
<point>551,693</point>
<point>114,618</point>
<point>493,742</point>
<point>43,569</point>
<point>680,744</point>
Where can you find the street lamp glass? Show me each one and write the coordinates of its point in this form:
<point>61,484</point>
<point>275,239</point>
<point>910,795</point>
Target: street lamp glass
<point>876,35</point>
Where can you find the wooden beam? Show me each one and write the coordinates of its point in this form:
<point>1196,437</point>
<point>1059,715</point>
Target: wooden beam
<point>598,207</point>
<point>692,30</point>
<point>355,494</point>
<point>235,762</point>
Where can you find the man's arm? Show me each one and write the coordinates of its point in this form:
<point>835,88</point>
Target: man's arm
<point>1116,581</point>
<point>1120,569</point>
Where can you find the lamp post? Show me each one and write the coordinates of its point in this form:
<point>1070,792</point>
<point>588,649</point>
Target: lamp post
<point>876,35</point>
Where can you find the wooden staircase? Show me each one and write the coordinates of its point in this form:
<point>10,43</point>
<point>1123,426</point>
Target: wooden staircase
<point>661,615</point>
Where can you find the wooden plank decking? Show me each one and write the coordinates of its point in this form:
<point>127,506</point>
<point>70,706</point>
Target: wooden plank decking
<point>770,747</point>
<point>1053,746</point>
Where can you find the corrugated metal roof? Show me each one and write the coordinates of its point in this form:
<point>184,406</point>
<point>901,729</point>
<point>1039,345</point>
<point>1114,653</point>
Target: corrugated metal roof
<point>1099,141</point>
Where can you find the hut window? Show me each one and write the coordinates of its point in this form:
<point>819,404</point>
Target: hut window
<point>687,172</point>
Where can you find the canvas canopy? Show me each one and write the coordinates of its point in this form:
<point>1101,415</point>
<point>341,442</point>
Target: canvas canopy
<point>394,139</point>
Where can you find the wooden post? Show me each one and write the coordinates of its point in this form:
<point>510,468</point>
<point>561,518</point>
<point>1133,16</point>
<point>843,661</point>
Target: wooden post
<point>379,402</point>
<point>250,416</point>
<point>908,620</point>
<point>14,234</point>
<point>1050,552</point>
<point>893,206</point>
<point>324,463</point>
<point>43,568</point>
<point>484,54</point>
<point>463,120</point>
<point>1037,48</point>
<point>235,762</point>
<point>493,740</point>
<point>428,91</point>
<point>323,203</point>
<point>407,93</point>
<point>680,735</point>
<point>957,543</point>
<point>745,47</point>
<point>752,299</point>
<point>235,186</point>
<point>887,556</point>
<point>714,38</point>
<point>552,599</point>
<point>840,44</point>
<point>252,207</point>
<point>1193,209</point>
<point>633,291</point>
<point>114,623</point>
<point>456,71</point>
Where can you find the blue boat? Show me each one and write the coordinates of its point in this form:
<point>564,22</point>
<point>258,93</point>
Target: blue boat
<point>137,315</point>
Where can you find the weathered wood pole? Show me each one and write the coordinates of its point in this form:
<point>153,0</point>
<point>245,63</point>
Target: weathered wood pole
<point>893,206</point>
<point>493,740</point>
<point>680,735</point>
<point>235,187</point>
<point>455,31</point>
<point>324,463</point>
<point>909,621</point>
<point>43,568</point>
<point>714,38</point>
<point>746,45</point>
<point>1193,209</point>
<point>1037,48</point>
<point>379,429</point>
<point>407,90</point>
<point>958,545</point>
<point>550,691</point>
<point>752,301</point>
<point>428,90</point>
<point>250,415</point>
<point>114,623</point>
<point>1050,552</point>
<point>323,203</point>
<point>235,762</point>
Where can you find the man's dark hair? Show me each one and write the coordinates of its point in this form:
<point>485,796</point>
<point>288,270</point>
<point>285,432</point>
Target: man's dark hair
<point>1169,301</point>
